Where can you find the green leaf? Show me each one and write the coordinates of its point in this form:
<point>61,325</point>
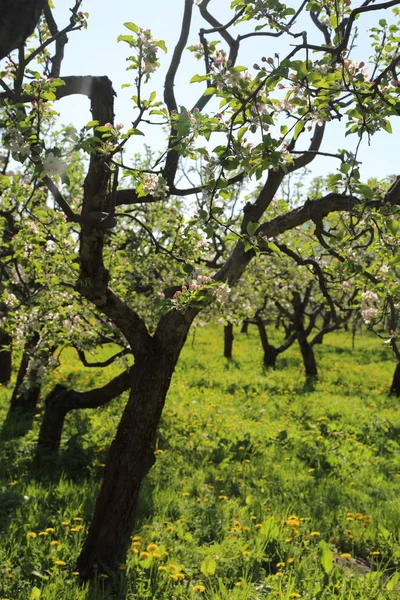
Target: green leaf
<point>394,226</point>
<point>252,228</point>
<point>132,27</point>
<point>392,583</point>
<point>387,126</point>
<point>208,566</point>
<point>384,532</point>
<point>326,557</point>
<point>238,69</point>
<point>298,128</point>
<point>134,131</point>
<point>210,91</point>
<point>35,593</point>
<point>366,191</point>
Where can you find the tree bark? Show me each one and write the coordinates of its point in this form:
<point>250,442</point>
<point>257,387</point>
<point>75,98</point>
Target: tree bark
<point>26,399</point>
<point>5,357</point>
<point>395,387</point>
<point>228,340</point>
<point>306,350</point>
<point>60,401</point>
<point>270,352</point>
<point>131,453</point>
<point>245,327</point>
<point>18,19</point>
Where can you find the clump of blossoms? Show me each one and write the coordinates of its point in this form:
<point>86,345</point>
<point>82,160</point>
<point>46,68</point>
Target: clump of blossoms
<point>53,166</point>
<point>153,185</point>
<point>16,143</point>
<point>369,310</point>
<point>200,290</point>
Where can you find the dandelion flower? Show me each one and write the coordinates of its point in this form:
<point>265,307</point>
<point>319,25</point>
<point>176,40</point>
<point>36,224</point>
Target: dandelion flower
<point>55,543</point>
<point>152,548</point>
<point>60,563</point>
<point>345,555</point>
<point>144,555</point>
<point>199,588</point>
<point>31,535</point>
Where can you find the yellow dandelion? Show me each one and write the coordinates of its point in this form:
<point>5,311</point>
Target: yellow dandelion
<point>376,553</point>
<point>31,535</point>
<point>144,555</point>
<point>55,543</point>
<point>199,588</point>
<point>77,528</point>
<point>133,550</point>
<point>179,576</point>
<point>60,563</point>
<point>76,573</point>
<point>238,583</point>
<point>294,595</point>
<point>279,574</point>
<point>258,525</point>
<point>291,560</point>
<point>246,553</point>
<point>136,538</point>
<point>185,494</point>
<point>146,526</point>
<point>152,548</point>
<point>156,555</point>
<point>50,529</point>
<point>64,523</point>
<point>77,519</point>
<point>280,564</point>
<point>315,533</point>
<point>42,533</point>
<point>162,568</point>
<point>345,555</point>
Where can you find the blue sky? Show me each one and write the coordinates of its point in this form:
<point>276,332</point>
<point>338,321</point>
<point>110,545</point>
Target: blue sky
<point>95,51</point>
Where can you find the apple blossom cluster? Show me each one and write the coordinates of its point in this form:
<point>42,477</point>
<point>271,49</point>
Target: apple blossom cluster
<point>16,143</point>
<point>53,166</point>
<point>369,311</point>
<point>202,289</point>
<point>155,185</point>
<point>149,51</point>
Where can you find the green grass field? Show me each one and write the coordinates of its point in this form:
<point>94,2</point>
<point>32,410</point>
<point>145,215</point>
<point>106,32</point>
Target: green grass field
<point>264,487</point>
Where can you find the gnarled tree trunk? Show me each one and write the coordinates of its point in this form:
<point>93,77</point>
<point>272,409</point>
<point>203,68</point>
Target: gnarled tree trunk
<point>270,352</point>
<point>25,398</point>
<point>131,453</point>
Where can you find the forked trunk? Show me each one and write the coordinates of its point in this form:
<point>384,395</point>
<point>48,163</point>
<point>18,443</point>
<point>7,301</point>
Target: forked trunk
<point>307,353</point>
<point>131,453</point>
<point>228,340</point>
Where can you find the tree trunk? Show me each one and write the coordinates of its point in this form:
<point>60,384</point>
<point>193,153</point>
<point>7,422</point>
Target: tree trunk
<point>5,357</point>
<point>270,352</point>
<point>307,353</point>
<point>131,453</point>
<point>60,401</point>
<point>395,387</point>
<point>26,399</point>
<point>228,340</point>
<point>18,20</point>
<point>245,327</point>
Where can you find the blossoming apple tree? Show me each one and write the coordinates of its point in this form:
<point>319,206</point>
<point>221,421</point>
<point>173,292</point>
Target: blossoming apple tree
<point>251,122</point>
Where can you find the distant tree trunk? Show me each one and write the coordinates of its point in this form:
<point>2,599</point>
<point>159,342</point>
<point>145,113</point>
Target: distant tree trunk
<point>5,357</point>
<point>245,326</point>
<point>60,401</point>
<point>306,350</point>
<point>131,454</point>
<point>228,340</point>
<point>270,352</point>
<point>395,387</point>
<point>25,398</point>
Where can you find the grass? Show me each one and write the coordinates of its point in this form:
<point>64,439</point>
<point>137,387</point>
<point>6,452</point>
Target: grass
<point>264,487</point>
